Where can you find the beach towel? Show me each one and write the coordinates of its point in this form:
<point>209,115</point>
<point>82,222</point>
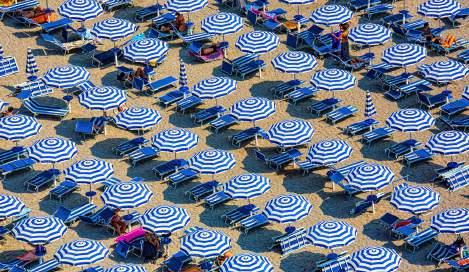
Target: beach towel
<point>132,235</point>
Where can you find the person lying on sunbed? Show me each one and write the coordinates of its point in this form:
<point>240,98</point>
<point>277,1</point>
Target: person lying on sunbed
<point>210,49</point>
<point>40,15</point>
<point>446,42</point>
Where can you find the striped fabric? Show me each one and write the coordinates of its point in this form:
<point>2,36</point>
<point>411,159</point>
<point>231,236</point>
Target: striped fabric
<point>102,98</point>
<point>289,133</point>
<point>145,50</point>
<point>370,177</point>
<point>205,244</point>
<point>52,150</point>
<point>451,221</point>
<point>164,219</point>
<point>31,65</point>
<point>369,34</point>
<point>126,268</point>
<point>247,186</point>
<point>1,51</point>
<point>184,6</point>
<point>80,10</point>
<point>331,234</point>
<point>329,15</point>
<point>182,74</point>
<point>439,8</point>
<point>449,143</point>
<point>465,94</point>
<point>214,87</point>
<point>89,171</point>
<point>65,77</point>
<point>333,80</point>
<point>81,252</point>
<point>445,71</point>
<point>212,161</point>
<point>410,120</point>
<point>137,119</point>
<point>253,109</point>
<point>175,140</point>
<point>404,54</point>
<point>222,23</point>
<point>247,263</point>
<point>257,42</point>
<point>113,29</point>
<point>329,152</point>
<point>18,127</point>
<point>10,206</point>
<point>127,195</point>
<point>286,209</point>
<point>415,199</point>
<point>3,105</point>
<point>39,230</point>
<point>370,109</point>
<point>294,62</point>
<point>372,259</point>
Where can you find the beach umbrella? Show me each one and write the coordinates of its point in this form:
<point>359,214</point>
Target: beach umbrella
<point>246,186</point>
<point>454,220</point>
<point>286,209</point>
<point>330,15</point>
<point>1,51</point>
<point>370,177</point>
<point>39,230</point>
<point>89,171</point>
<point>66,77</point>
<point>253,109</point>
<point>80,10</point>
<point>372,259</point>
<point>329,152</point>
<point>52,150</point>
<point>465,94</point>
<point>289,133</point>
<point>331,234</point>
<point>10,206</point>
<point>333,80</point>
<point>369,106</point>
<point>369,34</point>
<point>205,244</point>
<point>439,8</point>
<point>214,87</point>
<point>298,3</point>
<point>126,268</point>
<point>31,65</point>
<point>222,23</point>
<point>257,42</point>
<point>137,119</point>
<point>145,50</point>
<point>175,140</point>
<point>449,143</point>
<point>410,120</point>
<point>415,199</point>
<point>445,71</point>
<point>3,104</point>
<point>404,54</point>
<point>102,98</point>
<point>294,62</point>
<point>127,195</point>
<point>212,161</point>
<point>186,6</point>
<point>164,219</point>
<point>247,263</point>
<point>18,127</point>
<point>81,252</point>
<point>182,74</point>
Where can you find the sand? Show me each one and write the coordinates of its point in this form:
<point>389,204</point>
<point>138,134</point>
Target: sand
<point>328,204</point>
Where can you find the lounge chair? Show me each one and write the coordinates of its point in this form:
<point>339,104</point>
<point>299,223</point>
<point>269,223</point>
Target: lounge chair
<point>177,261</point>
<point>363,205</point>
<point>188,103</point>
<point>203,190</point>
<point>441,253</point>
<point>462,13</point>
<point>339,174</point>
<point>19,262</point>
<point>457,123</point>
<point>231,67</point>
<point>172,97</point>
<point>207,114</point>
<point>448,169</point>
<point>182,176</point>
<point>355,63</point>
<point>306,37</point>
<point>454,107</point>
<point>460,43</point>
<point>63,189</point>
<point>164,169</point>
<point>460,265</point>
<point>149,12</point>
<point>306,166</point>
<point>390,81</point>
<point>251,67</point>
<point>291,242</point>
<point>18,6</point>
<point>106,58</point>
<point>431,101</point>
<point>337,264</point>
<point>195,49</point>
<point>284,88</point>
<point>378,71</point>
<point>281,160</point>
<point>14,153</point>
<point>234,216</point>
<point>464,56</point>
<point>358,5</point>
<point>223,122</point>
<point>388,220</point>
<point>378,9</point>
<point>161,84</point>
<point>16,166</point>
<point>400,17</point>
<point>65,47</point>
<point>402,148</point>
<point>142,154</point>
<point>100,217</point>
<point>8,66</point>
<point>36,109</point>
<point>33,89</point>
<point>110,5</point>
<point>42,179</point>
<point>253,222</point>
<point>360,127</point>
<point>123,248</point>
<point>46,266</point>
<point>245,135</point>
<point>301,94</point>
<point>69,216</point>
<point>341,114</point>
<point>323,106</point>
<point>417,156</point>
<point>56,25</point>
<point>128,146</point>
<point>457,179</point>
<point>91,127</point>
<point>377,134</point>
<point>216,199</point>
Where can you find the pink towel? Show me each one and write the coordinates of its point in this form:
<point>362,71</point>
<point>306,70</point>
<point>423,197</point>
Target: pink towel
<point>132,235</point>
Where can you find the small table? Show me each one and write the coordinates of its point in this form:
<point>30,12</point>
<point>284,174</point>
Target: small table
<point>90,195</point>
<point>290,229</point>
<point>332,256</point>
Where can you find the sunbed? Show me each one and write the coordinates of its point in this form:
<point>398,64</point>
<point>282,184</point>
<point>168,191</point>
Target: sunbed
<point>106,58</point>
<point>142,154</point>
<point>291,242</point>
<point>400,17</point>
<point>378,9</point>
<point>357,5</point>
<point>42,179</point>
<point>363,205</point>
<point>149,12</point>
<point>46,266</point>
<point>123,248</point>
<point>69,216</point>
<point>167,168</point>
<point>216,198</point>
<point>284,88</point>
<point>307,166</point>
<point>100,217</point>
<point>301,94</point>
<point>234,216</point>
<point>253,222</point>
<point>441,253</point>
<point>449,168</point>
<point>457,179</point>
<point>339,263</point>
<point>172,97</point>
<point>281,160</point>
<point>188,103</point>
<point>223,122</point>
<point>454,107</point>
<point>377,134</point>
<point>251,67</point>
<point>182,176</point>
<point>14,153</point>
<point>360,127</point>
<point>195,49</point>
<point>8,66</point>
<point>417,156</point>
<point>195,40</point>
<point>177,261</point>
<point>160,84</point>
<point>323,106</point>
<point>431,101</point>
<point>129,146</point>
<point>36,109</point>
<point>110,5</point>
<point>339,174</point>
<point>402,148</point>
<point>245,135</point>
<point>461,123</point>
<point>63,189</point>
<point>390,81</point>
<point>230,67</point>
<point>56,25</point>
<point>18,6</point>
<point>459,265</point>
<point>90,127</point>
<point>208,114</point>
<point>355,63</point>
<point>464,56</point>
<point>202,190</point>
<point>66,47</point>
<point>341,114</point>
<point>460,43</point>
<point>16,166</point>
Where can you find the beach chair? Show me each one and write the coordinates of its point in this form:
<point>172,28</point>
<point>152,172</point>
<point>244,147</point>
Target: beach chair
<point>459,44</point>
<point>390,81</point>
<point>360,127</point>
<point>464,56</point>
<point>363,205</point>
<point>253,222</point>
<point>378,9</point>
<point>306,166</point>
<point>448,169</point>
<point>454,107</point>
<point>462,13</point>
<point>100,217</point>
<point>457,179</point>
<point>402,148</point>
<point>46,266</point>
<point>127,147</point>
<point>69,216</point>
<point>377,134</point>
<point>234,216</point>
<point>63,189</point>
<point>161,84</point>
<point>142,154</point>
<point>401,16</point>
<point>284,88</point>
<point>106,58</point>
<point>28,258</point>
<point>182,176</point>
<point>460,265</point>
<point>223,122</point>
<point>177,261</point>
<point>195,50</point>
<point>18,6</point>
<point>94,269</point>
<point>417,156</point>
<point>251,67</point>
<point>301,94</point>
<point>341,114</point>
<point>245,136</point>
<point>203,190</point>
<point>172,97</point>
<point>358,5</point>
<point>33,89</point>
<point>124,248</point>
<point>355,63</point>
<point>208,114</point>
<point>8,66</point>
<point>37,109</point>
<point>56,25</point>
<point>281,160</point>
<point>291,242</point>
<point>216,198</point>
<point>14,153</point>
<point>441,253</point>
<point>457,123</point>
<point>167,168</point>
<point>42,179</point>
<point>323,106</point>
<point>65,47</point>
<point>16,166</point>
<point>149,12</point>
<point>91,127</point>
<point>110,5</point>
<point>231,67</point>
<point>339,174</point>
<point>188,103</point>
<point>431,101</point>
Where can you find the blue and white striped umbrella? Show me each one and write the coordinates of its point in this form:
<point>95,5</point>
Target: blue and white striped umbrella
<point>212,161</point>
<point>185,6</point>
<point>297,2</point>
<point>214,87</point>
<point>415,199</point>
<point>369,34</point>
<point>182,74</point>
<point>80,10</point>
<point>449,143</point>
<point>445,71</point>
<point>175,140</point>
<point>439,8</point>
<point>333,80</point>
<point>10,206</point>
<point>257,42</point>
<point>145,50</point>
<point>164,219</point>
<point>247,186</point>
<point>3,104</point>
<point>451,221</point>
<point>127,195</point>
<point>39,230</point>
<point>253,109</point>
<point>286,209</point>
<point>294,62</point>
<point>222,23</point>
<point>372,259</point>
<point>65,77</point>
<point>465,94</point>
<point>113,29</point>
<point>81,252</point>
<point>331,234</point>
<point>404,54</point>
<point>52,150</point>
<point>102,98</point>
<point>247,263</point>
<point>205,244</point>
<point>410,120</point>
<point>126,268</point>
<point>329,152</point>
<point>370,177</point>
<point>137,118</point>
<point>288,133</point>
<point>1,51</point>
<point>330,15</point>
<point>31,64</point>
<point>370,109</point>
<point>18,127</point>
<point>89,171</point>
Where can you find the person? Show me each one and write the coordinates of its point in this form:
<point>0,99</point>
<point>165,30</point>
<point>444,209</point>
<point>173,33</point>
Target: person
<point>8,112</point>
<point>427,32</point>
<point>180,22</point>
<point>221,259</point>
<point>344,45</point>
<point>118,223</point>
<point>447,42</point>
<point>140,73</point>
<point>151,247</point>
<point>458,244</point>
<point>212,48</point>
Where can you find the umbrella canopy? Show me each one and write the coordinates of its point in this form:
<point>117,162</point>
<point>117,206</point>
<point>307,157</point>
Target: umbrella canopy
<point>3,104</point>
<point>184,6</point>
<point>182,74</point>
<point>445,71</point>
<point>333,80</point>
<point>222,23</point>
<point>89,171</point>
<point>137,118</point>
<point>415,199</point>
<point>451,221</point>
<point>39,230</point>
<point>113,29</point>
<point>1,51</point>
<point>330,15</point>
<point>331,234</point>
<point>10,206</point>
<point>52,150</point>
<point>294,62</point>
<point>288,133</point>
<point>371,259</point>
<point>439,8</point>
<point>370,177</point>
<point>297,2</point>
<point>126,268</point>
<point>18,127</point>
<point>65,77</point>
<point>253,109</point>
<point>247,263</point>
<point>329,152</point>
<point>145,50</point>
<point>175,140</point>
<point>410,120</point>
<point>247,186</point>
<point>369,34</point>
<point>404,54</point>
<point>212,161</point>
<point>449,143</point>
<point>205,244</point>
<point>164,219</point>
<point>31,65</point>
<point>286,209</point>
<point>257,42</point>
<point>370,109</point>
<point>127,195</point>
<point>465,94</point>
<point>80,10</point>
<point>214,87</point>
<point>102,98</point>
<point>81,252</point>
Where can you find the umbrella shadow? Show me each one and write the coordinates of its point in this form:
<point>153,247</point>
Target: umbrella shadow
<point>181,120</point>
<point>375,151</point>
<point>300,110</point>
<point>177,195</point>
<point>221,140</point>
<point>258,240</point>
<point>301,261</point>
<point>262,89</point>
<point>299,184</point>
<point>252,164</point>
<point>329,203</point>
<point>88,231</point>
<point>142,170</point>
<point>212,217</point>
<point>420,173</point>
<point>74,199</point>
<point>66,129</point>
<point>103,149</point>
<point>10,183</point>
<point>375,231</point>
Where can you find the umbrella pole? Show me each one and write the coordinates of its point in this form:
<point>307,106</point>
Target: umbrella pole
<point>115,55</point>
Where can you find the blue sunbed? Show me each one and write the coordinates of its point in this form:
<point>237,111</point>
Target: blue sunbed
<point>172,97</point>
<point>182,176</point>
<point>341,114</point>
<point>377,134</point>
<point>417,240</point>
<point>15,153</point>
<point>284,88</point>
<point>188,103</point>
<point>417,156</point>
<point>223,122</point>
<point>56,25</point>
<point>231,67</point>
<point>252,222</point>
<point>378,9</point>
<point>251,67</point>
<point>216,199</point>
<point>361,126</point>
<point>42,179</point>
<point>160,84</point>
<point>430,101</point>
<point>63,189</point>
<point>322,106</point>
<point>454,107</point>
<point>46,266</point>
<point>36,109</point>
<point>234,216</point>
<point>208,114</point>
<point>142,154</point>
<point>203,190</point>
<point>15,166</point>
<point>301,94</point>
<point>129,146</point>
<point>167,168</point>
<point>69,216</point>
<point>402,148</point>
<point>8,66</point>
<point>151,11</point>
<point>245,135</point>
<point>177,261</point>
